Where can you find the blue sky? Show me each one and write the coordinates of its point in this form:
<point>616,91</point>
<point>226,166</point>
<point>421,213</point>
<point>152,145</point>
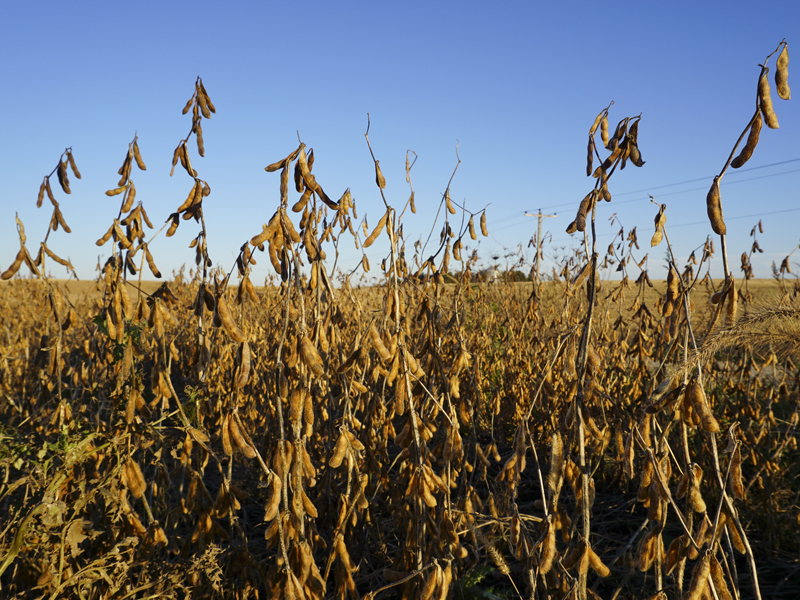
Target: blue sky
<point>517,85</point>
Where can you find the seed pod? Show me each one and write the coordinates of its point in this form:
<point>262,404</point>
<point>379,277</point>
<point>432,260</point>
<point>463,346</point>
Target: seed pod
<point>77,173</point>
<point>604,129</point>
<point>41,195</point>
<point>62,177</point>
<point>338,452</point>
<point>273,503</point>
<point>718,577</point>
<point>238,438</point>
<point>752,142</point>
<point>698,399</point>
<point>448,202</point>
<point>137,155</point>
<point>244,365</point>
<point>311,357</point>
<point>11,271</point>
<point>226,437</point>
<point>223,314</point>
<point>782,74</point>
<point>714,209</point>
<point>376,232</point>
<point>134,480</point>
<point>377,342</point>
<point>484,231</point>
<point>173,226</point>
<point>597,565</point>
<point>379,179</point>
<point>116,191</point>
<point>765,101</point>
<point>201,150</point>
<point>699,578</point>
<point>548,551</point>
<point>590,153</point>
<point>471,226</point>
<point>130,196</point>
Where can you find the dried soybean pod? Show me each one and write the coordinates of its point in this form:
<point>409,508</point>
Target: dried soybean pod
<point>782,74</point>
<point>597,565</point>
<point>752,142</point>
<point>224,314</point>
<point>379,179</point>
<point>61,221</point>
<point>226,437</point>
<point>134,478</point>
<point>699,578</point>
<point>62,177</point>
<point>377,342</point>
<point>201,149</point>
<point>376,232</point>
<point>244,366</point>
<point>311,357</point>
<point>238,438</point>
<point>137,155</point>
<point>207,98</point>
<point>548,551</point>
<point>597,121</point>
<point>718,577</point>
<point>471,226</point>
<point>765,101</point>
<point>174,225</point>
<point>448,202</point>
<point>338,452</point>
<point>604,129</point>
<point>77,173</point>
<point>129,198</point>
<point>116,191</point>
<point>411,202</point>
<point>714,209</point>
<point>590,153</point>
<point>11,271</point>
<point>41,195</point>
<point>49,191</point>
<point>484,231</point>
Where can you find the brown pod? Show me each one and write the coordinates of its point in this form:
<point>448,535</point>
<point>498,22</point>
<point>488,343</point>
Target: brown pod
<point>223,313</point>
<point>134,478</point>
<point>604,129</point>
<point>74,167</point>
<point>62,177</point>
<point>137,155</point>
<point>699,578</point>
<point>752,142</point>
<point>130,196</point>
<point>238,438</point>
<point>484,231</point>
<point>448,202</point>
<point>714,209</point>
<point>782,74</point>
<point>244,366</point>
<point>765,101</point>
<point>377,342</point>
<point>471,226</point>
<point>376,232</point>
<point>379,179</point>
<point>11,271</point>
<point>226,436</point>
<point>311,357</point>
<point>597,565</point>
<point>590,154</point>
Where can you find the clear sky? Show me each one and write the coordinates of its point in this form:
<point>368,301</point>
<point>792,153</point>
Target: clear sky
<point>516,84</point>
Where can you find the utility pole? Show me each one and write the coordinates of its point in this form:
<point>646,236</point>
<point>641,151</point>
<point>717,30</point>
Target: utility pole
<point>538,242</point>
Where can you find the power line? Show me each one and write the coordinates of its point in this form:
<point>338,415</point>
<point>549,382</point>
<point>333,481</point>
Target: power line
<point>726,183</point>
